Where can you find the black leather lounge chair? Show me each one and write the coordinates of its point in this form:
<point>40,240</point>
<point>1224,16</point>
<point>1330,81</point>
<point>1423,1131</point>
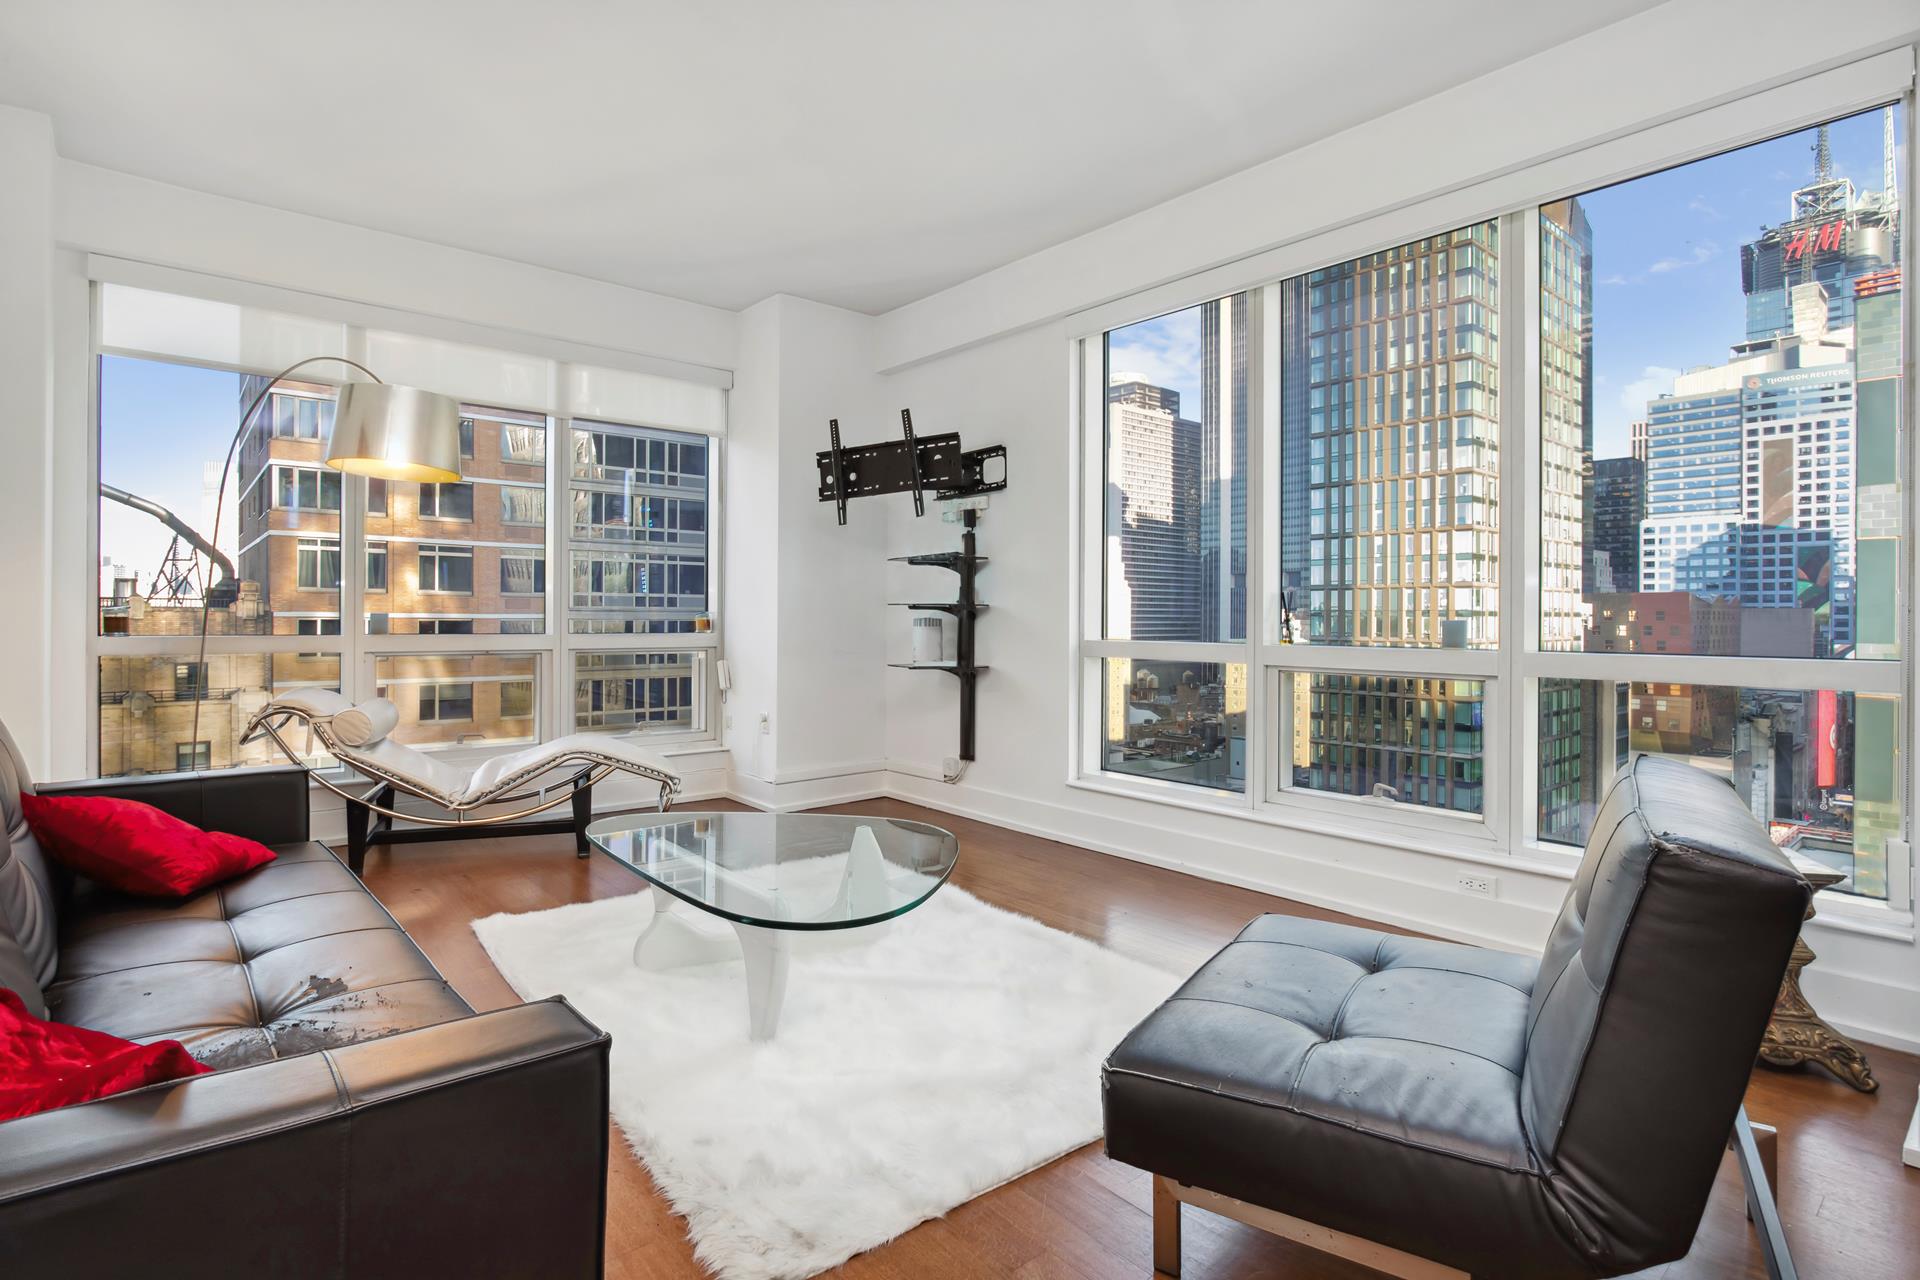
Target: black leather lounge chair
<point>1431,1109</point>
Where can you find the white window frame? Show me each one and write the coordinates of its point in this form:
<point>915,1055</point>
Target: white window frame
<point>1506,835</point>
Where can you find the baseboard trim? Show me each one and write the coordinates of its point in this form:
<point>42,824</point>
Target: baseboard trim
<point>1292,893</point>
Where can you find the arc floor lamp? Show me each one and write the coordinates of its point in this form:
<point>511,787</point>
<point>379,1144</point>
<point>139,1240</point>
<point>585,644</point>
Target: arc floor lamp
<point>381,431</point>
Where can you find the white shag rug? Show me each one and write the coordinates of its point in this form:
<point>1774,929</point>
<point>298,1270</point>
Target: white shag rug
<point>918,1063</point>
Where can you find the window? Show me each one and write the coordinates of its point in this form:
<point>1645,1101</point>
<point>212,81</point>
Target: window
<point>145,709</point>
<point>447,501</point>
<point>446,702</point>
<point>523,575</point>
<point>516,699</point>
<point>1176,476</point>
<point>1748,510</point>
<point>1299,599</point>
<point>628,486</point>
<point>502,502</point>
<point>318,561</point>
<point>647,691</point>
<point>306,488</point>
<point>523,505</point>
<point>461,700</point>
<point>1177,721</point>
<point>446,567</point>
<point>426,570</point>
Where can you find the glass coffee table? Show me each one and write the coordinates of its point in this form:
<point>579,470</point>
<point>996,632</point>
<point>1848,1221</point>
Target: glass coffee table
<point>769,875</point>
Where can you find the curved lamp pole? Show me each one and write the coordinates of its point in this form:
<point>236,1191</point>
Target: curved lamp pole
<point>379,430</point>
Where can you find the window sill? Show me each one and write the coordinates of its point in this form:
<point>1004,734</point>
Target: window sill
<point>1844,913</point>
<point>1395,836</point>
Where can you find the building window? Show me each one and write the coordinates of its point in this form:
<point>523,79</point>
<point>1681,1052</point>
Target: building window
<point>523,575</point>
<point>188,756</point>
<point>318,626</point>
<point>446,626</point>
<point>466,437</point>
<point>516,699</point>
<point>523,505</point>
<point>446,568</point>
<point>189,681</point>
<point>447,501</point>
<point>306,489</point>
<point>376,566</point>
<point>376,497</point>
<point>441,702</point>
<point>318,565</point>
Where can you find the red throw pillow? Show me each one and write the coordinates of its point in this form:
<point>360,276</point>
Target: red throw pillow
<point>44,1065</point>
<point>135,848</point>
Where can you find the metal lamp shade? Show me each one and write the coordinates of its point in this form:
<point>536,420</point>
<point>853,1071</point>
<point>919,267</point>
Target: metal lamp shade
<point>395,433</point>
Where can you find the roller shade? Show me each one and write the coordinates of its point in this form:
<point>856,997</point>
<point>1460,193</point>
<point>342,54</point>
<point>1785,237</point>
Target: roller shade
<point>229,324</point>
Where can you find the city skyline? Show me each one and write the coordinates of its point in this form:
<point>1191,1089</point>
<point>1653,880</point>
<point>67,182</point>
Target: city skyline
<point>1659,317</point>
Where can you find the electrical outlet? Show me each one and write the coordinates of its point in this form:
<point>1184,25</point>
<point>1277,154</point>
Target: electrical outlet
<point>1478,885</point>
<point>766,722</point>
<point>728,720</point>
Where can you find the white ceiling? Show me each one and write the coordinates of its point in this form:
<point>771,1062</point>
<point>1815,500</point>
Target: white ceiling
<point>857,152</point>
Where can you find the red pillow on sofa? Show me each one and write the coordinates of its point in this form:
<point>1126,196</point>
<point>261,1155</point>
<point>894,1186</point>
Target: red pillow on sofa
<point>135,848</point>
<point>44,1065</point>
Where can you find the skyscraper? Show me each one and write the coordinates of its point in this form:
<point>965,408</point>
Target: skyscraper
<point>1572,561</point>
<point>1619,504</point>
<point>1389,444</point>
<point>1832,236</point>
<point>1153,484</point>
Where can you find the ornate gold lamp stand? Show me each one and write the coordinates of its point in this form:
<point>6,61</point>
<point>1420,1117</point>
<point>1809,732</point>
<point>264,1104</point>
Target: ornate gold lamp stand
<point>1797,1035</point>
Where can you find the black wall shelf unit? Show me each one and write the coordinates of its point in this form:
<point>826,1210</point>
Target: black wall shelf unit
<point>965,608</point>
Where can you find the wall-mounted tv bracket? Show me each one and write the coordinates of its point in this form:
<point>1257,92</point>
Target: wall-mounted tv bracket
<point>912,464</point>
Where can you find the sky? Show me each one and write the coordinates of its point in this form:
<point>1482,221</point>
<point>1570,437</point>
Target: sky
<point>160,426</point>
<point>1666,265</point>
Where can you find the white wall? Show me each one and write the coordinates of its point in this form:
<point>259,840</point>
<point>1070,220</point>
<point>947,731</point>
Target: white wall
<point>26,415</point>
<point>805,604</point>
<point>1653,66</point>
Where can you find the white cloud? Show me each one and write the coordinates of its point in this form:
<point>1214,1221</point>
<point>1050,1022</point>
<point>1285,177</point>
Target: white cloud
<point>1701,206</point>
<point>1613,278</point>
<point>1702,252</point>
<point>1654,380</point>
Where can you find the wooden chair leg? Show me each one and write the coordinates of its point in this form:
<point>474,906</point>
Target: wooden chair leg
<point>1166,1228</point>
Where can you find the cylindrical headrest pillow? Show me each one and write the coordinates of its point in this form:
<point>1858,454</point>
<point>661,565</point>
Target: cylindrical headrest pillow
<point>365,724</point>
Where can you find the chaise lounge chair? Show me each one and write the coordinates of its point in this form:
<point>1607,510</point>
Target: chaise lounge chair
<point>357,735</point>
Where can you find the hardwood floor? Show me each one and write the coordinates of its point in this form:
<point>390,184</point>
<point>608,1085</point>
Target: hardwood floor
<point>1851,1208</point>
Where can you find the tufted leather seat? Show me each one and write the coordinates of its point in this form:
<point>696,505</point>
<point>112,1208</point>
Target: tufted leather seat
<point>1505,1116</point>
<point>291,957</point>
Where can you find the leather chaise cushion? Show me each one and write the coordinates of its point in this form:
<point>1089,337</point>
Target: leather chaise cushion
<point>1365,1081</point>
<point>289,958</point>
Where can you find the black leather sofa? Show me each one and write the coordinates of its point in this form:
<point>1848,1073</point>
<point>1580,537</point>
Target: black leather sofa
<point>363,1120</point>
<point>1406,1102</point>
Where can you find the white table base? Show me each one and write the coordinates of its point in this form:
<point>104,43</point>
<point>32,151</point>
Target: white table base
<point>673,940</point>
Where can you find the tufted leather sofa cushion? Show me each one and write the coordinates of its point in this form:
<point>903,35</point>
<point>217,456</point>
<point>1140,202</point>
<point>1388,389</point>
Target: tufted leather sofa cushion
<point>289,958</point>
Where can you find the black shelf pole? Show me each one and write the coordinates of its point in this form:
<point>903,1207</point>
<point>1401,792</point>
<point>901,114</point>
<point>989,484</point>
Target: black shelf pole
<point>963,652</point>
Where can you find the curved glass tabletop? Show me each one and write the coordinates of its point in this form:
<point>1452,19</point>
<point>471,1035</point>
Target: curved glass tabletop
<point>784,870</point>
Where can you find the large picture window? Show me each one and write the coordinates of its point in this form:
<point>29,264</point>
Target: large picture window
<point>459,619</point>
<point>1313,592</point>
